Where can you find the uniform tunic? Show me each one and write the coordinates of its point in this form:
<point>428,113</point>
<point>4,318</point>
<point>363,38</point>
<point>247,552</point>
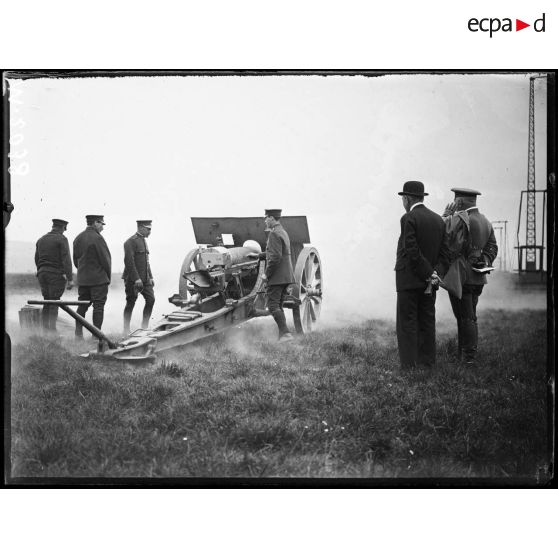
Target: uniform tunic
<point>52,253</point>
<point>481,246</point>
<point>279,269</point>
<point>93,261</point>
<point>53,261</point>
<point>92,258</point>
<point>136,260</point>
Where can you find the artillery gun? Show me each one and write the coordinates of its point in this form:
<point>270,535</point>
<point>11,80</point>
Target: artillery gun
<point>221,285</point>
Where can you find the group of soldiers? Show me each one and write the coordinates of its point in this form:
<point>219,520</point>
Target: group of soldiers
<point>453,250</point>
<point>92,259</point>
<point>456,251</point>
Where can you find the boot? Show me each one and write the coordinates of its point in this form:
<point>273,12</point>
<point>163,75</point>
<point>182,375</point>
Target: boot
<point>469,341</point>
<point>459,340</point>
<point>281,321</point>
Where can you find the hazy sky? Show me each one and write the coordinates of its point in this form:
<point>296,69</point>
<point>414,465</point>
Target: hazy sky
<point>336,149</point>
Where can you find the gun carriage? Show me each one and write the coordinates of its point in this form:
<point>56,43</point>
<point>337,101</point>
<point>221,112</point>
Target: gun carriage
<point>221,285</point>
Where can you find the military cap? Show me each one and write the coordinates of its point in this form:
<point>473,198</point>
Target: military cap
<point>92,218</point>
<point>59,223</point>
<point>144,223</point>
<point>465,192</point>
<point>275,213</point>
<point>413,188</point>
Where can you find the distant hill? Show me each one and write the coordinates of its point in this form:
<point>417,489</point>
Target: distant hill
<point>20,256</point>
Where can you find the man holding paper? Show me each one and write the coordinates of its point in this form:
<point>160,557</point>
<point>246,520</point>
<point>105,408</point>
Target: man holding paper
<point>478,252</point>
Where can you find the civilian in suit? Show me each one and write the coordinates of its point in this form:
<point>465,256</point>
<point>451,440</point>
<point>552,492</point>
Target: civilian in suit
<point>137,275</point>
<point>422,256</point>
<point>480,251</point>
<point>54,269</point>
<point>93,262</point>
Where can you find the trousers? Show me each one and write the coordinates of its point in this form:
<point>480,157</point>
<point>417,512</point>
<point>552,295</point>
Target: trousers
<point>275,298</point>
<point>416,327</point>
<point>97,294</point>
<point>52,288</point>
<point>131,297</point>
<point>465,312</point>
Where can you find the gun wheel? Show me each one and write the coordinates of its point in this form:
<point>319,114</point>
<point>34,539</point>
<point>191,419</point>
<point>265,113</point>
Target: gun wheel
<point>308,288</point>
<point>191,263</point>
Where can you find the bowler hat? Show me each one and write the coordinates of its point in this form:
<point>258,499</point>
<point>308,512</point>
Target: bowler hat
<point>144,223</point>
<point>413,188</point>
<point>59,223</point>
<point>465,192</point>
<point>93,218</point>
<point>275,213</point>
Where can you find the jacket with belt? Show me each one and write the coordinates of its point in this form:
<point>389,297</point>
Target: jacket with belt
<point>279,268</point>
<point>136,260</point>
<point>52,253</point>
<point>92,258</point>
<point>482,246</point>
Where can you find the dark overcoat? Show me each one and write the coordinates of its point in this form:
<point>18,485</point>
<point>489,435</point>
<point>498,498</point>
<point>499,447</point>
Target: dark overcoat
<point>92,258</point>
<point>279,269</point>
<point>136,260</point>
<point>421,249</point>
<point>52,253</point>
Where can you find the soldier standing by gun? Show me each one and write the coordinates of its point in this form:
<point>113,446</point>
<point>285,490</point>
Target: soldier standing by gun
<point>54,269</point>
<point>278,271</point>
<point>93,262</point>
<point>478,253</point>
<point>137,274</point>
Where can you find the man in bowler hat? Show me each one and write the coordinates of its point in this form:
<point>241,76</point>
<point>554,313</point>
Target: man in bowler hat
<point>137,274</point>
<point>54,269</point>
<point>479,252</point>
<point>278,271</point>
<point>93,262</point>
<point>422,257</point>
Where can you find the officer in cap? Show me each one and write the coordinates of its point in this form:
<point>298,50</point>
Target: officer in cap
<point>278,271</point>
<point>137,274</point>
<point>479,251</point>
<point>93,262</point>
<point>54,269</point>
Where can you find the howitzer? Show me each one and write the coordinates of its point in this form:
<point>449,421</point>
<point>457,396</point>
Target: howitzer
<point>221,285</point>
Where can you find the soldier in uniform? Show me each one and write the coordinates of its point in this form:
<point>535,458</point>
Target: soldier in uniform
<point>54,269</point>
<point>93,262</point>
<point>137,274</point>
<point>278,271</point>
<point>479,252</point>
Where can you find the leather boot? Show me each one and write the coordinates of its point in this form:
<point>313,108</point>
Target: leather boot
<point>281,321</point>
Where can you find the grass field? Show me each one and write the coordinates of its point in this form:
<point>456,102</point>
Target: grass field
<point>332,404</point>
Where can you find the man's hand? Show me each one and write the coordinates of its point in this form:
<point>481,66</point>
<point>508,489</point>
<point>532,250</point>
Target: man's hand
<point>138,285</point>
<point>264,276</point>
<point>450,209</point>
<point>150,282</point>
<point>69,285</point>
<point>435,279</point>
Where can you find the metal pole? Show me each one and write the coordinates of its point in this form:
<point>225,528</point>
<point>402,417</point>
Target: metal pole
<point>531,259</point>
<point>90,327</point>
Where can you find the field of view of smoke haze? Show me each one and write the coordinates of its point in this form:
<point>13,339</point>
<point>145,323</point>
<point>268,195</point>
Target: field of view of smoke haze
<point>333,404</point>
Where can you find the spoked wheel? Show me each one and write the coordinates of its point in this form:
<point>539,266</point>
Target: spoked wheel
<point>308,288</point>
<point>191,263</point>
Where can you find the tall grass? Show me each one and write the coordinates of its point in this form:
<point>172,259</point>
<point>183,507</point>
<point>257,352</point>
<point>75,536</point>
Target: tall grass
<point>332,404</point>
